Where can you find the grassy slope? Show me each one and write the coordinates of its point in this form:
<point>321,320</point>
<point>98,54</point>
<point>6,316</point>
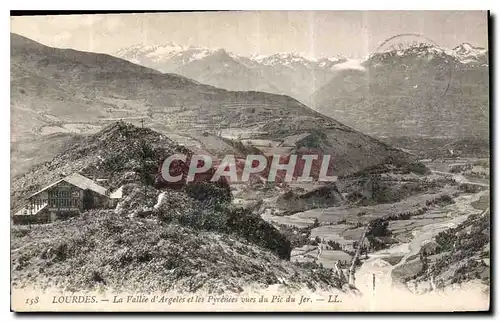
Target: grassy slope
<point>106,250</point>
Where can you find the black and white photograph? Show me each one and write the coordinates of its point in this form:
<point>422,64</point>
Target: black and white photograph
<point>257,161</point>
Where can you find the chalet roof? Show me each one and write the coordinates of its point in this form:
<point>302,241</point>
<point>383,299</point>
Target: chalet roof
<point>85,183</point>
<point>117,194</point>
<point>79,181</point>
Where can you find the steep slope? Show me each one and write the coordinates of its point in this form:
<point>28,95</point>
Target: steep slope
<point>418,91</point>
<point>62,85</point>
<point>63,90</point>
<point>282,73</point>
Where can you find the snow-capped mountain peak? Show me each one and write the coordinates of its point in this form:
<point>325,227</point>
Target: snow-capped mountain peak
<point>167,51</point>
<point>152,50</point>
<point>467,53</point>
<point>466,48</point>
<point>285,59</point>
<point>329,62</point>
<point>464,53</point>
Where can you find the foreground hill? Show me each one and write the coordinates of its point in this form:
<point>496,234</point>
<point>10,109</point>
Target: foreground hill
<point>418,91</point>
<point>106,250</point>
<point>63,90</point>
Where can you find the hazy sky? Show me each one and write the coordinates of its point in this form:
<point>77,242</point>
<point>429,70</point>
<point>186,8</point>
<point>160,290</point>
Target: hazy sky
<point>313,34</point>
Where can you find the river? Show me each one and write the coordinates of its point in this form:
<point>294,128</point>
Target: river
<point>382,270</point>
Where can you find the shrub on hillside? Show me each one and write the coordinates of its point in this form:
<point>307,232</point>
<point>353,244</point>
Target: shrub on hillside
<point>415,167</point>
<point>103,249</point>
<point>458,168</point>
<point>223,218</point>
<point>252,227</point>
<point>209,193</point>
<point>470,188</point>
<point>378,229</point>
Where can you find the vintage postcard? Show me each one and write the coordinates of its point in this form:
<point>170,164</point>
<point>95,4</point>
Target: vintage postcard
<point>312,161</point>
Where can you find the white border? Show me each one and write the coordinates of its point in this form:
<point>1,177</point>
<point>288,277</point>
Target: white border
<point>205,5</point>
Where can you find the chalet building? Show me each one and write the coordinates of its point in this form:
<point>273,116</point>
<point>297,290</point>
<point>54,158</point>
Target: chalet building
<point>67,197</point>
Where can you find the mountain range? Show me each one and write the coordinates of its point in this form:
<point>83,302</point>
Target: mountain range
<point>422,90</point>
<point>281,73</point>
<point>67,91</point>
<point>215,66</point>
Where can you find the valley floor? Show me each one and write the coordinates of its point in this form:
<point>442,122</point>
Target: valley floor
<point>385,268</point>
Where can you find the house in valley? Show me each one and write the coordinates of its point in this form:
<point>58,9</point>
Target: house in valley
<point>64,198</point>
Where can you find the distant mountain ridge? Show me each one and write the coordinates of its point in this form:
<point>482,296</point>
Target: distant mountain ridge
<point>418,91</point>
<point>282,73</point>
<point>187,54</point>
<point>464,53</point>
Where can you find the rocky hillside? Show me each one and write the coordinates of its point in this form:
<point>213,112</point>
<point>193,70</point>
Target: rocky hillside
<point>418,91</point>
<point>107,251</point>
<point>63,90</point>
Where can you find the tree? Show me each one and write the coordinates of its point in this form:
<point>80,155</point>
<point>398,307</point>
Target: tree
<point>378,228</point>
